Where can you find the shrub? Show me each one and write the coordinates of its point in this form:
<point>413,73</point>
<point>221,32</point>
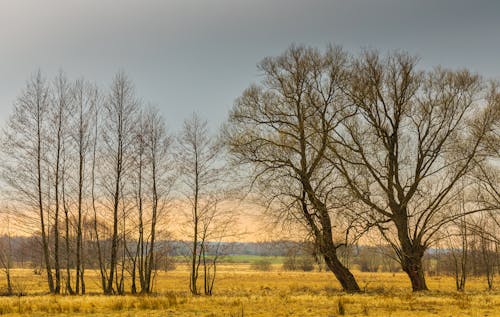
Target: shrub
<point>303,263</point>
<point>306,264</point>
<point>261,265</point>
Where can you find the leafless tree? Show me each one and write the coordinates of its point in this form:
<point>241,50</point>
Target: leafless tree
<point>487,233</point>
<point>199,159</point>
<point>6,254</point>
<point>414,136</point>
<point>58,112</point>
<point>65,204</point>
<point>120,112</point>
<point>281,128</point>
<point>216,225</point>
<point>24,149</point>
<point>458,246</point>
<point>94,193</point>
<point>154,180</point>
<point>86,99</point>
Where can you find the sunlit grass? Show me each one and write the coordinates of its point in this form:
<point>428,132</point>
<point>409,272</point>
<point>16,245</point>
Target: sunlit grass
<point>241,291</point>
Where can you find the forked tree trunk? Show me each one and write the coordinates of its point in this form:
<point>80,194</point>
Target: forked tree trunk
<point>411,251</point>
<point>412,265</point>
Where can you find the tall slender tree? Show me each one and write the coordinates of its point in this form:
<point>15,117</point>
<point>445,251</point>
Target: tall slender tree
<point>59,110</point>
<point>24,147</point>
<point>154,180</point>
<point>198,156</point>
<point>86,98</point>
<point>120,111</point>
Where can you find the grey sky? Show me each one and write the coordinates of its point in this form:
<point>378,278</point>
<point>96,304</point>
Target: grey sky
<point>191,55</point>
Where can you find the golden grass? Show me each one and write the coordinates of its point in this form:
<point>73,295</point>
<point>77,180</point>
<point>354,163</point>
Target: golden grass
<point>240,291</point>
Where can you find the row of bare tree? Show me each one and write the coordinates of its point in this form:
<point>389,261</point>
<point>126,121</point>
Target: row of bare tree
<point>84,165</point>
<point>344,144</point>
<point>340,144</point>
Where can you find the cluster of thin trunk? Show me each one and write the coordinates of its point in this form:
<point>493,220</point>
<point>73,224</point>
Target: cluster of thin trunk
<point>75,158</point>
<point>472,250</point>
<point>204,187</point>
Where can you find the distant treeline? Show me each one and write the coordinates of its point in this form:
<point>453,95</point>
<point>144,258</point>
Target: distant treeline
<point>296,256</point>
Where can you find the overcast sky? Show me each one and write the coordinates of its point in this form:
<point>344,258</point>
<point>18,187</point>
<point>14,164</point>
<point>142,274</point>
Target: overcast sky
<point>188,55</point>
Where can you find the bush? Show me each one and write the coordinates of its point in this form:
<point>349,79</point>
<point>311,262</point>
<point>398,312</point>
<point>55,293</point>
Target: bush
<point>166,263</point>
<point>289,264</point>
<point>261,265</point>
<point>303,263</point>
<point>306,264</point>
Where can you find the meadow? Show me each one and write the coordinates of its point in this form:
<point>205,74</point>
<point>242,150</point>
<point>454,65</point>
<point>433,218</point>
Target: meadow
<point>242,291</point>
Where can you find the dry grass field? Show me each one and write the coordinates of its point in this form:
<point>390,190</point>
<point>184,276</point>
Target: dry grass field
<point>241,291</point>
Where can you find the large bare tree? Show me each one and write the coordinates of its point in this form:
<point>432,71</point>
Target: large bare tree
<point>281,128</point>
<point>415,135</point>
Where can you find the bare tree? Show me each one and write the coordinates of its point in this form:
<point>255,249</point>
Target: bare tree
<point>414,136</point>
<point>154,180</point>
<point>95,199</point>
<point>140,162</point>
<point>487,232</point>
<point>487,193</point>
<point>65,204</point>
<point>58,112</point>
<point>24,148</point>
<point>86,99</point>
<point>216,225</point>
<point>120,111</point>
<point>6,255</point>
<point>281,127</point>
<point>199,159</point>
<point>458,247</point>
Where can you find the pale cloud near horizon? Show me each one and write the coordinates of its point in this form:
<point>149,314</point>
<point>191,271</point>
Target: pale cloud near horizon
<point>188,55</point>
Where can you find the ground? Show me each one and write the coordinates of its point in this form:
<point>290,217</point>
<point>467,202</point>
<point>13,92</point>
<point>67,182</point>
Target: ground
<point>240,291</point>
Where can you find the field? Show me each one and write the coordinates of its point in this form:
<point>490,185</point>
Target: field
<point>241,291</point>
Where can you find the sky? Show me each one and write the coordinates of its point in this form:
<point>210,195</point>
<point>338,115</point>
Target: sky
<point>189,56</point>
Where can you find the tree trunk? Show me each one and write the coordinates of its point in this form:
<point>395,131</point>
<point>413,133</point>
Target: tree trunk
<point>45,244</point>
<point>412,265</point>
<point>114,239</point>
<point>343,275</point>
<point>325,239</point>
<point>10,289</point>
<point>79,239</point>
<point>194,263</point>
<point>133,287</point>
<point>102,269</point>
<point>411,251</point>
<point>69,289</point>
